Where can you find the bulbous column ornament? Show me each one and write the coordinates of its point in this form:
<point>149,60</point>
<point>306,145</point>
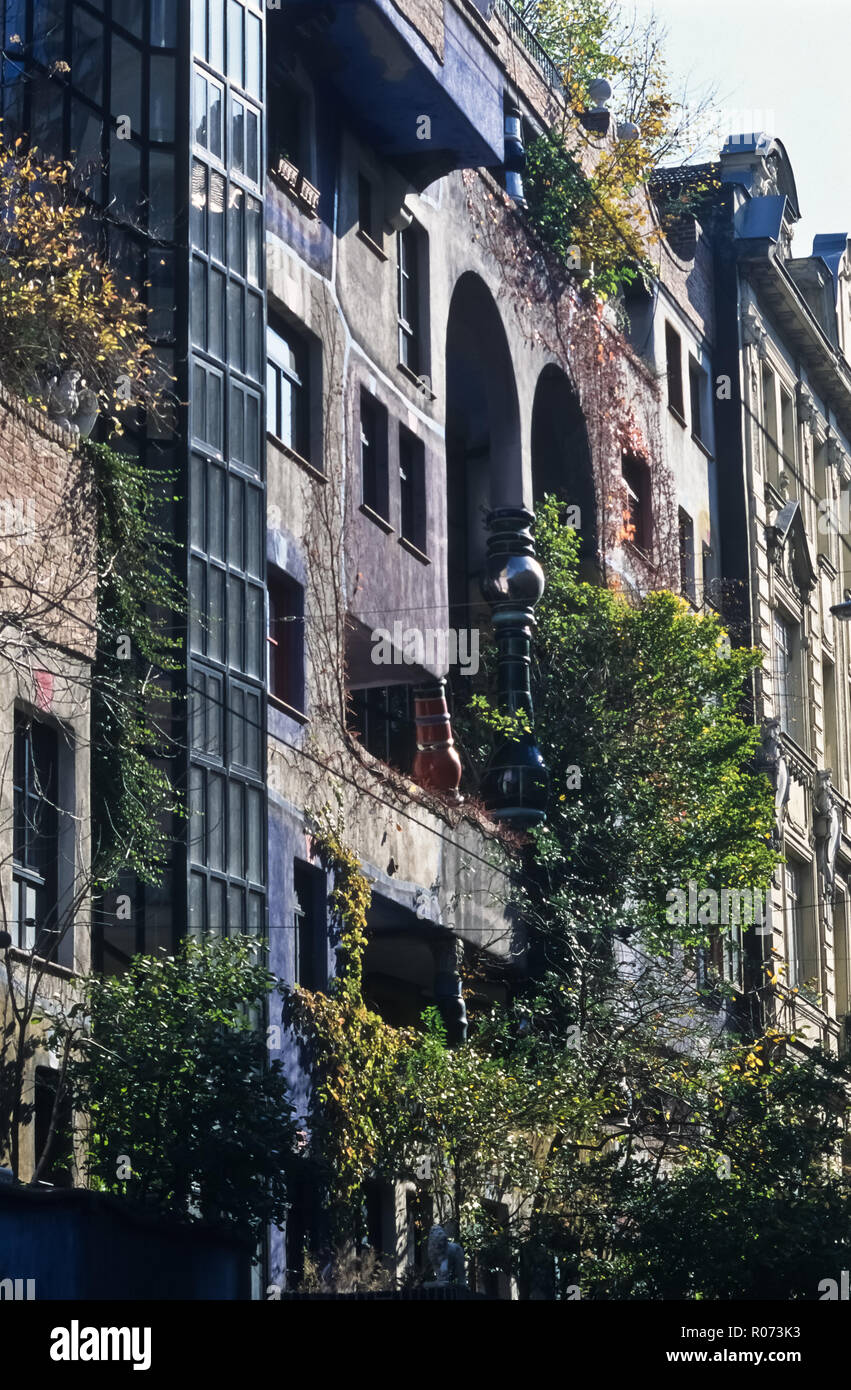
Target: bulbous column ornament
<point>516,783</point>
<point>437,764</point>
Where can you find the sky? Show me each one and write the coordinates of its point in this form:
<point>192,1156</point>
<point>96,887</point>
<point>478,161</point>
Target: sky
<point>787,64</point>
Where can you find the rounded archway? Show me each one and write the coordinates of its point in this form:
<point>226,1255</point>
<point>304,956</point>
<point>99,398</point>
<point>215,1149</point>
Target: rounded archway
<point>483,441</point>
<point>561,457</point>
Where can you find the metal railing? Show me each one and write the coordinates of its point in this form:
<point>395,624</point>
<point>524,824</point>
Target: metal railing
<point>517,26</point>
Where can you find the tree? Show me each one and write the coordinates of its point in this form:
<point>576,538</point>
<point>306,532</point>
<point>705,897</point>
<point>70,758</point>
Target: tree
<point>184,1112</point>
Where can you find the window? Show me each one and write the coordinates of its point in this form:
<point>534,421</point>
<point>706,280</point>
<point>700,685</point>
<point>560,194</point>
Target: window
<point>382,716</point>
<point>831,740</point>
<point>769,421</point>
<point>674,361</point>
<point>289,124</point>
<point>35,840</point>
<point>286,640</point>
<point>287,389</point>
<point>365,210</point>
<point>697,380</point>
<point>797,965</point>
<point>209,115</point>
<point>787,426</point>
<point>310,948</point>
<point>412,489</point>
<point>637,516</point>
<point>686,533</point>
<point>712,593</point>
<point>245,139</point>
<point>787,678</point>
<point>408,294</point>
<point>373,446</point>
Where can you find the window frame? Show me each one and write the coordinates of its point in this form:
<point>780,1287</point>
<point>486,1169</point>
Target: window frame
<point>286,676</point>
<point>674,371</point>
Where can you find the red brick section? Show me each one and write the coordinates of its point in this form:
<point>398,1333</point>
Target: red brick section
<point>47,531</point>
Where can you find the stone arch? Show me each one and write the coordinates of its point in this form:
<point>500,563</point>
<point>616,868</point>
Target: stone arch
<point>483,437</point>
<point>561,454</point>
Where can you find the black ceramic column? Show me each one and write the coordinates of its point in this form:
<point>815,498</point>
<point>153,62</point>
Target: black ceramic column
<point>516,782</point>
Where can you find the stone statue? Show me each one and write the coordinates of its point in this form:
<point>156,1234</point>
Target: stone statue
<point>72,404</point>
<point>828,831</point>
<point>446,1258</point>
<point>773,760</point>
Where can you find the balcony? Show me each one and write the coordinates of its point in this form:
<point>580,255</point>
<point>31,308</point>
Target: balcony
<point>420,80</point>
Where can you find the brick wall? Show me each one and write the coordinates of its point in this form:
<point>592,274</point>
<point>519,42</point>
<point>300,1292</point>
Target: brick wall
<point>47,531</point>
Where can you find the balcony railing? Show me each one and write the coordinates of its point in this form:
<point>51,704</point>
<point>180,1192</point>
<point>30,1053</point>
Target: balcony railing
<point>517,26</point>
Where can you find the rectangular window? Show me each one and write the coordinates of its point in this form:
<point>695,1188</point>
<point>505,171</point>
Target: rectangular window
<point>637,518</point>
<point>797,965</point>
<point>286,640</point>
<point>310,963</point>
<point>412,488</point>
<point>289,125</point>
<point>769,422</point>
<point>408,298</point>
<point>209,115</point>
<point>787,426</point>
<point>36,836</point>
<point>831,740</point>
<point>674,362</point>
<point>288,388</point>
<point>787,678</point>
<point>697,380</point>
<point>383,718</point>
<point>686,534</point>
<point>373,454</point>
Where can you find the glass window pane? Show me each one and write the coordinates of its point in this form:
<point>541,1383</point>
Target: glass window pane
<point>48,104</point>
<point>237,424</point>
<point>215,716</point>
<point>236,620</point>
<point>161,293</point>
<point>254,634</point>
<point>196,903</point>
<point>164,23</point>
<point>201,119</point>
<point>236,324</point>
<point>86,128</point>
<point>216,512</point>
<point>197,504</point>
<point>236,834</point>
<point>125,176</point>
<point>87,56</point>
<point>254,458</point>
<point>252,146</point>
<point>217,216</point>
<point>216,310</point>
<point>272,375</point>
<point>217,919</point>
<point>235,522</point>
<point>162,97</point>
<point>254,533</point>
<point>198,301</point>
<point>236,203</point>
<point>48,31</point>
<point>216,821</point>
<point>255,836</point>
<point>217,108</point>
<point>215,611</point>
<point>130,13</point>
<point>236,58</point>
<point>236,910</point>
<point>199,402</point>
<point>237,147</point>
<point>197,605</point>
<point>215,412</point>
<point>256,914</point>
<point>217,34</point>
<point>253,69</point>
<point>254,336</point>
<point>126,94</point>
<point>253,239</point>
<point>199,25</point>
<point>198,207</point>
<point>161,210</point>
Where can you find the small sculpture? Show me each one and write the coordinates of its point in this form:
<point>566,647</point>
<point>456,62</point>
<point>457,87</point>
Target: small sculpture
<point>72,404</point>
<point>773,760</point>
<point>446,1258</point>
<point>828,831</point>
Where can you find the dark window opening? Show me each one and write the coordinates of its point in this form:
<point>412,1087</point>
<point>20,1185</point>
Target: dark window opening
<point>686,534</point>
<point>286,640</point>
<point>57,1169</point>
<point>408,298</point>
<point>36,836</point>
<point>697,386</point>
<point>638,517</point>
<point>674,362</point>
<point>412,488</point>
<point>373,445</point>
<point>310,944</point>
<point>383,717</point>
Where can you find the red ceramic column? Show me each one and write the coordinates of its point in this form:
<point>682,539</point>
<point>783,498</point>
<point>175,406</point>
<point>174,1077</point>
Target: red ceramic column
<point>437,764</point>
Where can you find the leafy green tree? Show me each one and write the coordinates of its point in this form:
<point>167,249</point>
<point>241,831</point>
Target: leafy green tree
<point>173,1077</point>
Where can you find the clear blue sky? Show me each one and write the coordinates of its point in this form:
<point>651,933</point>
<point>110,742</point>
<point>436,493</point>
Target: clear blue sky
<point>789,60</point>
